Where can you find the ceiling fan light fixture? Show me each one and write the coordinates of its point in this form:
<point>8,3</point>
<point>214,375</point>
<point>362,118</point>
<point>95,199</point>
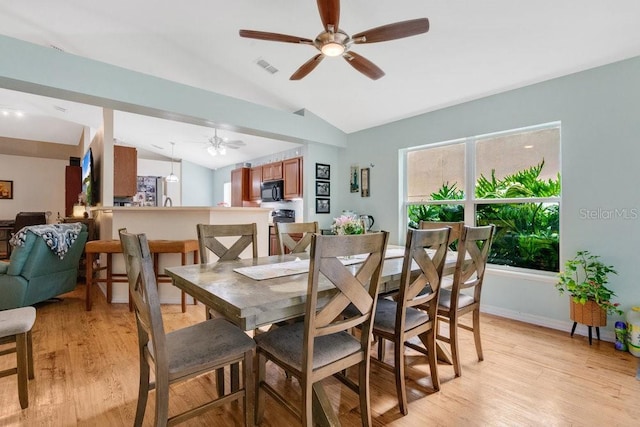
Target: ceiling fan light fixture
<point>332,49</point>
<point>214,150</point>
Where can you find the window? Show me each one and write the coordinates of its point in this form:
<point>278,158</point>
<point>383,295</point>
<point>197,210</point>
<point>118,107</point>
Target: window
<point>510,179</point>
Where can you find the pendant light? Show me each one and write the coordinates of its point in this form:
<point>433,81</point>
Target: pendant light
<point>171,177</point>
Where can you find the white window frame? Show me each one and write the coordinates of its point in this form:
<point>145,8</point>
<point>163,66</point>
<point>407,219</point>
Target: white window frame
<point>470,201</point>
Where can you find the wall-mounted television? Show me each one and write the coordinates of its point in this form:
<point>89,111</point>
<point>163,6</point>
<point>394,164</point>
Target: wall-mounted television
<point>89,187</point>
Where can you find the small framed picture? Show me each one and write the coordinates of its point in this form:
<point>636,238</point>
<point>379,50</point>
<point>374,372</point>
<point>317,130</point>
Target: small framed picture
<point>364,182</point>
<point>6,189</point>
<point>323,171</point>
<point>323,188</point>
<point>323,205</point>
<point>353,179</point>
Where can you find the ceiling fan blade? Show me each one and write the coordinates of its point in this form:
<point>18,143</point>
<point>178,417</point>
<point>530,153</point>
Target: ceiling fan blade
<point>394,31</point>
<point>234,144</point>
<point>363,65</point>
<point>307,67</point>
<point>329,13</point>
<point>274,37</point>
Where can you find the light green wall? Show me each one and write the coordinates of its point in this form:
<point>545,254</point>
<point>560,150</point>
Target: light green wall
<point>600,114</point>
<point>197,185</point>
<point>46,71</point>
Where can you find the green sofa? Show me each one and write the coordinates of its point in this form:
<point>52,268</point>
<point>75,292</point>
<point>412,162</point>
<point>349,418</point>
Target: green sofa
<point>35,273</point>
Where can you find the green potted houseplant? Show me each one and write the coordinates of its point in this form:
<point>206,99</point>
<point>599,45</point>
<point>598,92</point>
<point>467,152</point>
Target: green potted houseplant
<point>585,278</point>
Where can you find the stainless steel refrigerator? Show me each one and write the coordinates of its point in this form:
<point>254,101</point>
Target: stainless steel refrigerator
<point>152,187</point>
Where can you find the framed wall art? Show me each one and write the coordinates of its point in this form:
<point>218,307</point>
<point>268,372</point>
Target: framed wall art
<point>354,185</point>
<point>323,188</point>
<point>6,189</point>
<point>323,206</point>
<point>364,182</point>
<point>323,171</point>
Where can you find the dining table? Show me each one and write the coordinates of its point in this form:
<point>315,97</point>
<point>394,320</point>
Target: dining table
<point>257,292</point>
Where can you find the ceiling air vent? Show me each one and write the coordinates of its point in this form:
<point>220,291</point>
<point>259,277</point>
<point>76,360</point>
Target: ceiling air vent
<point>264,64</point>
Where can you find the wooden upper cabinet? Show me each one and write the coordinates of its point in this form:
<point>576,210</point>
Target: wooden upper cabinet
<point>125,171</point>
<point>240,186</point>
<point>292,174</point>
<point>272,171</point>
<point>255,176</point>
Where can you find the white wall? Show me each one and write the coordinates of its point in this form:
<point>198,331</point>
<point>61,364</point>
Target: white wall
<point>38,185</point>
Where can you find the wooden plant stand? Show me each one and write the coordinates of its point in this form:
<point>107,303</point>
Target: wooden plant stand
<point>589,314</point>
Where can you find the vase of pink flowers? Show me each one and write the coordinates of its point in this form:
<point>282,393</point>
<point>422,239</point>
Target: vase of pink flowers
<point>347,224</point>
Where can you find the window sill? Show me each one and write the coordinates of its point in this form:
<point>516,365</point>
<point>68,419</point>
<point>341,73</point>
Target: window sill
<point>536,276</point>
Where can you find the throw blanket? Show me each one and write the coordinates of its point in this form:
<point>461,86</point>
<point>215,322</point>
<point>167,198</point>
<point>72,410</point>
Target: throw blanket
<point>59,237</point>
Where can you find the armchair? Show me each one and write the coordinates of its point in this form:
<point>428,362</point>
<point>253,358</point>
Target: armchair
<point>35,273</point>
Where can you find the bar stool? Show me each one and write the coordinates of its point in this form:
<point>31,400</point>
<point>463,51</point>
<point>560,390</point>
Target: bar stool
<point>15,327</point>
<point>157,247</point>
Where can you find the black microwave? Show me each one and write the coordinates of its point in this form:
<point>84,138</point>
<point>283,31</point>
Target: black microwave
<point>271,191</point>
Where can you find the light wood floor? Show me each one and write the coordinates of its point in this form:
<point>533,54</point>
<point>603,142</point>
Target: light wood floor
<point>86,368</point>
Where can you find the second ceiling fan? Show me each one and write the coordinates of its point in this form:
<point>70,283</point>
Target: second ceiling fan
<point>335,42</point>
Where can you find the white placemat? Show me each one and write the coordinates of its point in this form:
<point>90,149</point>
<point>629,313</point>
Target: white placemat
<point>289,268</point>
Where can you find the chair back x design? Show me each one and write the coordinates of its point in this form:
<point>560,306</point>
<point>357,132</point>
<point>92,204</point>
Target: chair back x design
<point>413,312</point>
<point>456,229</point>
<point>184,353</point>
<point>286,230</point>
<point>209,235</point>
<point>473,251</point>
<point>321,346</point>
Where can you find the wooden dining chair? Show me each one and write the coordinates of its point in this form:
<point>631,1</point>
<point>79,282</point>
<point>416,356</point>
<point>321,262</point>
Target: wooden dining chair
<point>182,354</point>
<point>209,240</point>
<point>454,235</point>
<point>464,296</point>
<point>209,236</point>
<point>321,346</point>
<point>286,231</point>
<point>413,312</point>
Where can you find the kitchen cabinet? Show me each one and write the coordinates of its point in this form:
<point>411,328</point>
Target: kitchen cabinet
<point>292,174</point>
<point>72,187</point>
<point>255,176</point>
<point>125,171</point>
<point>272,171</point>
<point>240,186</point>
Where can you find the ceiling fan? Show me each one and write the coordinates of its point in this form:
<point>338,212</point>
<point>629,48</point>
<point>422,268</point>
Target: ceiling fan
<point>218,145</point>
<point>335,42</point>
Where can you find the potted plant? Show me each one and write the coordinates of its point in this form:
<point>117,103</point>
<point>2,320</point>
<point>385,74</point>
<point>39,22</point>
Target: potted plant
<point>585,279</point>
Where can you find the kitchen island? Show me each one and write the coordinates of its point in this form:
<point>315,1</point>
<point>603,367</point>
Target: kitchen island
<point>172,223</point>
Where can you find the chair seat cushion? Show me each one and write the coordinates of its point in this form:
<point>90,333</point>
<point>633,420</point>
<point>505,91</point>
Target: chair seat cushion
<point>16,321</point>
<point>385,317</point>
<point>445,299</point>
<point>204,345</point>
<point>286,343</point>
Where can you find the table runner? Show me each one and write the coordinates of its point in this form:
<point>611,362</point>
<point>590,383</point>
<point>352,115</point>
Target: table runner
<point>299,266</point>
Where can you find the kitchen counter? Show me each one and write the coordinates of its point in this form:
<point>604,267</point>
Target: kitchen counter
<point>173,223</point>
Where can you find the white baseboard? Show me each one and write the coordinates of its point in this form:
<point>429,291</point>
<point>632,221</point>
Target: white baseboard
<point>605,334</point>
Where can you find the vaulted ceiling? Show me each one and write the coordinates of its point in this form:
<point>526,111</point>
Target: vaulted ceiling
<point>472,49</point>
